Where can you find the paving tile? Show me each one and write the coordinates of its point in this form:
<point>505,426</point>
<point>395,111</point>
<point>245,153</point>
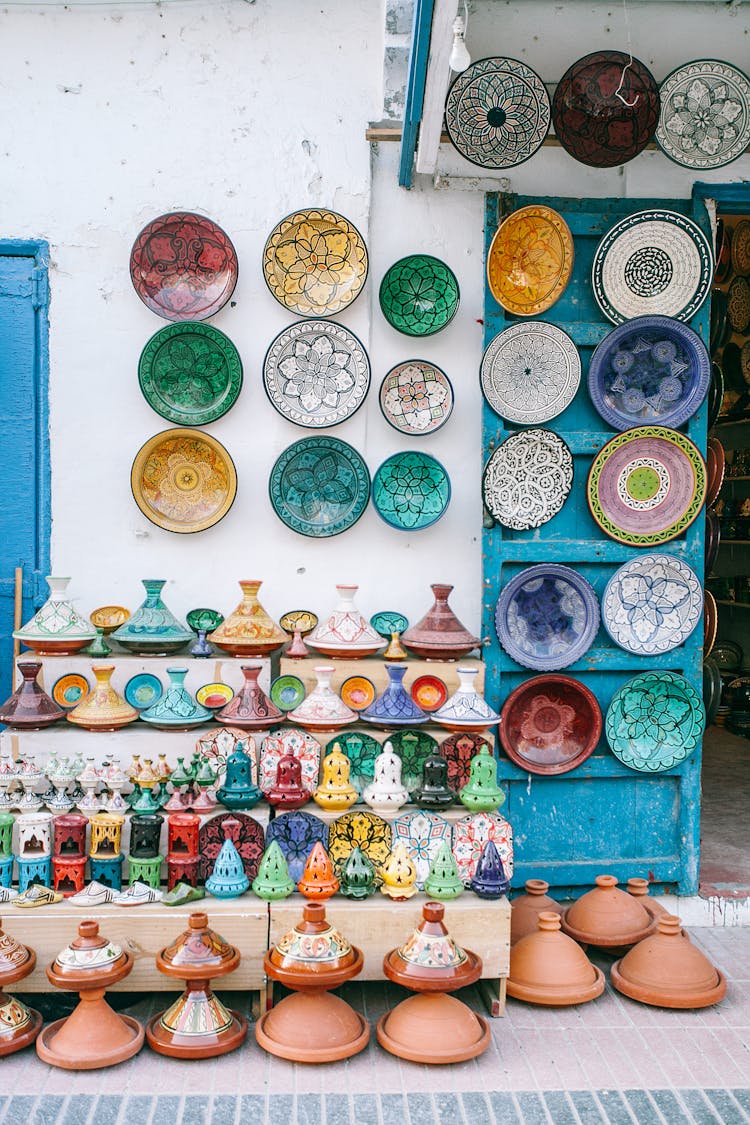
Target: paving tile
<point>194,1110</point>
<point>308,1110</point>
<point>615,1110</point>
<point>280,1109</point>
<point>365,1109</point>
<point>106,1110</point>
<point>337,1110</point>
<point>559,1107</point>
<point>19,1110</point>
<point>253,1109</point>
<point>729,1112</point>
<point>641,1106</point>
<point>392,1109</point>
<point>447,1109</point>
<point>421,1109</point>
<point>726,1048</point>
<point>668,1106</point>
<point>504,1107</point>
<point>586,1108</point>
<point>77,1109</point>
<point>166,1110</point>
<point>532,1109</point>
<point>476,1109</point>
<point>223,1111</point>
<point>743,1098</point>
<point>700,1110</point>
<point>47,1110</point>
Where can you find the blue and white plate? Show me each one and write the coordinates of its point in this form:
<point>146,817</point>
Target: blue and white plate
<point>652,604</point>
<point>547,617</point>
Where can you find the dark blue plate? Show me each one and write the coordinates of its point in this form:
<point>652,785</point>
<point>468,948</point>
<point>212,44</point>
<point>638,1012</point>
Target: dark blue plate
<point>547,617</point>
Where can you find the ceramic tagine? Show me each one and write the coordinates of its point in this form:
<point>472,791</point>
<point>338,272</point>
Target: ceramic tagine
<point>482,792</point>
<point>466,709</point>
<point>251,709</point>
<point>197,1025</point>
<point>29,707</point>
<point>19,1025</point>
<point>386,791</point>
<point>547,967</point>
<point>56,629</point>
<point>432,1027</point>
<point>608,917</point>
<point>322,709</point>
<point>103,708</point>
<point>335,792</point>
<point>440,635</point>
<point>153,630</point>
<point>667,970</point>
<point>312,1025</point>
<point>345,632</point>
<point>395,707</point>
<point>176,709</point>
<point>525,910</point>
<point>249,631</point>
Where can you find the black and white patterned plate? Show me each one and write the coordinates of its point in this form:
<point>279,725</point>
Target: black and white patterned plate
<point>704,120</point>
<point>530,372</point>
<point>316,373</point>
<point>527,479</point>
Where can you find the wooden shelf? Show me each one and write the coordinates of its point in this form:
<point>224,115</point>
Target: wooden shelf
<point>375,669</point>
<point>737,605</point>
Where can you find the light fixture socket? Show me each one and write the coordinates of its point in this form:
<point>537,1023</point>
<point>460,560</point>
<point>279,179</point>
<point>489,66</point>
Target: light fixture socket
<point>460,58</point>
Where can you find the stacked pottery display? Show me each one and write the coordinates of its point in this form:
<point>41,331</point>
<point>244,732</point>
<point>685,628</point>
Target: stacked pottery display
<point>183,849</point>
<point>19,1025</point>
<point>440,635</point>
<point>153,630</point>
<point>249,631</point>
<point>345,633</point>
<point>57,629</point>
<point>69,858</point>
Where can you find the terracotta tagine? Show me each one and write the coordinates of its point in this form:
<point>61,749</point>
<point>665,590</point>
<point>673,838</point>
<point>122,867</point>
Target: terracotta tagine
<point>288,792</point>
<point>434,792</point>
<point>153,630</point>
<point>19,1025</point>
<point>273,881</point>
<point>608,917</point>
<point>399,874</point>
<point>395,706</point>
<point>386,792</point>
<point>29,707</point>
<point>322,710</point>
<point>443,881</point>
<point>489,879</point>
<point>638,888</point>
<point>432,1027</point>
<point>103,708</point>
<point>345,632</point>
<point>93,1035</point>
<point>358,875</point>
<point>440,635</point>
<point>547,967</point>
<point>56,629</point>
<point>466,709</point>
<point>482,793</point>
<point>251,709</point>
<point>335,792</point>
<point>312,1025</point>
<point>249,631</point>
<point>176,709</point>
<point>318,880</point>
<point>525,910</point>
<point>668,971</point>
<point>197,1025</point>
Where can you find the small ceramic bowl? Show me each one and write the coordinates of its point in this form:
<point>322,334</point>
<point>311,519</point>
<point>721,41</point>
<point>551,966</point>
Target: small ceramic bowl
<point>109,617</point>
<point>357,692</point>
<point>214,696</point>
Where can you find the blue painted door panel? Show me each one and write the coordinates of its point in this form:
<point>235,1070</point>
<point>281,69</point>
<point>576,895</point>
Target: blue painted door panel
<point>601,816</point>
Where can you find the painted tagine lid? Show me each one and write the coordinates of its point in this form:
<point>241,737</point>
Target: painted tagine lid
<point>313,954</point>
<point>525,910</point>
<point>29,707</point>
<point>430,960</point>
<point>251,708</point>
<point>90,961</point>
<point>199,953</point>
<point>57,628</point>
<point>466,709</point>
<point>153,630</point>
<point>249,630</point>
<point>176,709</point>
<point>547,967</point>
<point>16,960</point>
<point>667,970</point>
<point>345,632</point>
<point>608,917</point>
<point>440,635</point>
<point>103,708</point>
<point>395,706</point>
<point>322,709</point>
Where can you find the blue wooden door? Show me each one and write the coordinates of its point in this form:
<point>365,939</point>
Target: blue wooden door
<point>601,816</point>
<point>24,443</point>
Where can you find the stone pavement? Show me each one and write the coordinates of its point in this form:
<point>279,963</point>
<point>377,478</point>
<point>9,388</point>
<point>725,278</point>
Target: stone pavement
<point>608,1061</point>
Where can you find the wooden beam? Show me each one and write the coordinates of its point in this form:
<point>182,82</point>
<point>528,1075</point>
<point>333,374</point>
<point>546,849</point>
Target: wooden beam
<point>420,46</point>
<point>436,85</point>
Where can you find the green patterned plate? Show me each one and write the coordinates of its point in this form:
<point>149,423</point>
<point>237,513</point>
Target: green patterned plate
<point>208,619</point>
<point>419,295</point>
<point>319,486</point>
<point>190,373</point>
<point>389,621</point>
<point>287,692</point>
<point>411,491</point>
<point>655,721</point>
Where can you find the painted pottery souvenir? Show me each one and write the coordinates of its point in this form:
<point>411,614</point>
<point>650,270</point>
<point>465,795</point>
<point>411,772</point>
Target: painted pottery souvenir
<point>646,486</point>
<point>443,881</point>
<point>361,749</point>
<point>315,262</point>
<point>322,710</point>
<point>497,113</point>
<point>251,709</point>
<point>547,617</point>
<point>239,790</point>
<point>137,894</point>
<point>550,724</point>
<point>311,1025</point>
<point>190,373</point>
<point>386,791</point>
<point>607,917</point>
<point>201,649</point>
<point>605,108</point>
<point>716,469</point>
<point>197,1025</point>
<point>434,791</point>
<point>741,248</point>
<point>653,261</point>
<point>302,621</point>
<point>440,635</point>
<point>176,709</point>
<point>652,604</point>
<point>318,879</point>
<point>316,373</point>
<point>297,650</point>
<point>145,833</point>
<point>395,650</point>
<point>421,833</point>
<point>547,967</point>
<point>432,1027</point>
<point>471,833</point>
<point>481,792</point>
<point>94,1035</point>
<point>273,881</point>
<point>183,480</point>
<point>181,894</point>
<point>527,479</point>
<point>357,876</point>
<point>654,721</point>
<point>490,880</point>
<point>530,260</point>
<point>287,692</point>
<point>335,791</point>
<point>319,486</point>
<point>416,397</point>
<point>19,1025</point>
<point>142,690</point>
<point>345,632</point>
<point>738,304</point>
<point>98,647</point>
<point>249,631</point>
<point>246,835</point>
<point>710,622</point>
<point>704,120</point>
<point>389,621</point>
<point>183,266</point>
<point>56,629</point>
<point>35,894</point>
<point>109,617</point>
<point>29,707</point>
<point>215,746</point>
<point>357,692</point>
<point>298,743</point>
<point>668,971</point>
<point>466,709</point>
<point>411,491</point>
<point>103,708</point>
<point>525,910</point>
<point>288,792</point>
<point>153,630</point>
<point>530,372</point>
<point>228,878</point>
<point>214,696</point>
<point>70,689</point>
<point>399,875</point>
<point>429,693</point>
<point>296,832</point>
<point>394,707</point>
<point>365,830</point>
<point>419,295</point>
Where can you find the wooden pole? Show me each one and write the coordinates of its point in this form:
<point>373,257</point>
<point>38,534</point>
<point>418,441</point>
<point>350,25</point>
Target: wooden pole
<point>17,618</point>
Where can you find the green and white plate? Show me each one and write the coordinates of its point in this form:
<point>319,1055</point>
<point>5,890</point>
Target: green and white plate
<point>190,373</point>
<point>319,486</point>
<point>655,721</point>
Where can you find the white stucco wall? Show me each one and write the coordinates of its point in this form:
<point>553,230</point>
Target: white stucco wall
<point>115,113</point>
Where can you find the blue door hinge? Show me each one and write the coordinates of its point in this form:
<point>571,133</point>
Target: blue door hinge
<point>39,287</point>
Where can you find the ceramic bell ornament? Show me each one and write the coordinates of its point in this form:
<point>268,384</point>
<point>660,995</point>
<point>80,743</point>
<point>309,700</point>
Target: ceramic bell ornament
<point>667,970</point>
<point>434,792</point>
<point>482,793</point>
<point>57,629</point>
<point>288,792</point>
<point>103,708</point>
<point>608,917</point>
<point>386,792</point>
<point>228,878</point>
<point>345,632</point>
<point>153,630</point>
<point>318,879</point>
<point>547,967</point>
<point>440,635</point>
<point>19,1025</point>
<point>273,881</point>
<point>249,631</point>
<point>335,792</point>
<point>443,881</point>
<point>322,709</point>
<point>239,791</point>
<point>251,709</point>
<point>466,710</point>
<point>399,875</point>
<point>29,707</point>
<point>358,875</point>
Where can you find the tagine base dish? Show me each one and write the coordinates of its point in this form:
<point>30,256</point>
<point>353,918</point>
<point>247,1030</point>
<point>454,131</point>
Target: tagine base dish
<point>548,998</point>
<point>45,1047</point>
<point>646,995</point>
<point>178,1046</point>
<point>348,1032</point>
<point>443,1013</point>
<point>9,1044</point>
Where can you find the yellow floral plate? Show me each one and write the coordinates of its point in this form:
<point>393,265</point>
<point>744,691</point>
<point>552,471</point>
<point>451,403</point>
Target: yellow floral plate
<point>109,617</point>
<point>530,260</point>
<point>315,262</point>
<point>183,480</point>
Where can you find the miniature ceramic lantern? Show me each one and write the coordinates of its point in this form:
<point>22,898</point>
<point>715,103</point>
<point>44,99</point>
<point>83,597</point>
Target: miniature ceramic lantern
<point>335,792</point>
<point>318,880</point>
<point>386,791</point>
<point>399,874</point>
<point>482,793</point>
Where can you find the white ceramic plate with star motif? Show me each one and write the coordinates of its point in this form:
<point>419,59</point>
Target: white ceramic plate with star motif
<point>530,372</point>
<point>704,121</point>
<point>652,604</point>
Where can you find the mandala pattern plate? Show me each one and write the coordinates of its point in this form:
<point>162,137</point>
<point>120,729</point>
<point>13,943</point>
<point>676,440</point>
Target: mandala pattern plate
<point>497,113</point>
<point>530,260</point>
<point>319,486</point>
<point>547,617</point>
<point>419,295</point>
<point>471,833</point>
<point>649,370</point>
<point>652,262</point>
<point>704,120</point>
<point>302,620</point>
<point>316,373</point>
<point>458,750</point>
<point>421,833</point>
<point>738,304</point>
<point>652,604</point>
<point>249,842</point>
<point>315,262</point>
<point>183,480</point>
<point>416,397</point>
<point>655,721</point>
<point>190,373</point>
<point>530,372</point>
<point>646,485</point>
<point>217,745</point>
<point>411,491</point>
<point>527,479</point>
<point>183,266</point>
<point>550,725</point>
<point>294,741</point>
<point>412,747</point>
<point>605,108</point>
<point>361,750</point>
<point>365,830</point>
<point>296,833</point>
<point>741,247</point>
<point>389,621</point>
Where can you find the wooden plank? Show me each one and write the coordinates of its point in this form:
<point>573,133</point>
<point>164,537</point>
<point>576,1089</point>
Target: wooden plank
<point>437,81</point>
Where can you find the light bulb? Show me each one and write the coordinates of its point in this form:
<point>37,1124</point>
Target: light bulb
<point>460,57</point>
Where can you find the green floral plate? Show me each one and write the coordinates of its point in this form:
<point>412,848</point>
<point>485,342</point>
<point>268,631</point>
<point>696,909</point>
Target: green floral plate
<point>411,491</point>
<point>287,692</point>
<point>190,373</point>
<point>419,295</point>
<point>319,486</point>
<point>655,721</point>
<point>207,619</point>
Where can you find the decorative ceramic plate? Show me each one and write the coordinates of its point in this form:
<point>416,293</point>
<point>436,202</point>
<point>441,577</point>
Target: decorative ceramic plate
<point>357,692</point>
<point>728,655</point>
<point>429,692</point>
<point>109,617</point>
<point>296,832</point>
<point>249,842</point>
<point>713,540</point>
<point>303,620</point>
<point>530,372</point>
<point>416,397</point>
<point>547,617</point>
<point>69,690</point>
<point>652,369</point>
<point>527,479</point>
<point>316,373</point>
<point>605,108</point>
<point>183,480</point>
<point>215,695</point>
<point>361,749</point>
<point>741,248</point>
<point>319,486</point>
<point>652,604</point>
<point>655,721</point>
<point>365,830</point>
<point>710,623</point>
<point>287,692</point>
<point>738,304</point>
<point>190,373</point>
<point>143,690</point>
<point>419,295</point>
<point>646,485</point>
<point>315,262</point>
<point>530,260</point>
<point>471,833</point>
<point>745,361</point>
<point>421,833</point>
<point>412,746</point>
<point>720,328</point>
<point>216,746</point>
<point>497,113</point>
<point>705,114</point>
<point>712,688</point>
<point>550,724</point>
<point>389,621</point>
<point>716,467</point>
<point>293,741</point>
<point>458,751</point>
<point>183,266</point>
<point>411,491</point>
<point>204,620</point>
<point>654,261</point>
<point>716,393</point>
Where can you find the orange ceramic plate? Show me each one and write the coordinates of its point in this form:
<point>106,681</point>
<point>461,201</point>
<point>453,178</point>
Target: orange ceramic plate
<point>429,692</point>
<point>69,690</point>
<point>109,617</point>
<point>530,260</point>
<point>183,480</point>
<point>357,692</point>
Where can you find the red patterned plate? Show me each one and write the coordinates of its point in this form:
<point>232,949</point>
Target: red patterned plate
<point>429,692</point>
<point>550,724</point>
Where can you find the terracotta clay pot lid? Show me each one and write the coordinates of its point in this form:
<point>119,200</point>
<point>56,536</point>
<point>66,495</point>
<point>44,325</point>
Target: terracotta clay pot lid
<point>193,956</point>
<point>551,968</point>
<point>302,974</point>
<point>312,1028</point>
<point>10,1043</point>
<point>16,960</point>
<point>525,910</point>
<point>101,975</point>
<point>208,1046</point>
<point>607,917</point>
<point>418,976</point>
<point>668,971</point>
<point>433,1028</point>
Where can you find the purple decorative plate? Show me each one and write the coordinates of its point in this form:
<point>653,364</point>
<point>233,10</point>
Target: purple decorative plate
<point>547,617</point>
<point>650,369</point>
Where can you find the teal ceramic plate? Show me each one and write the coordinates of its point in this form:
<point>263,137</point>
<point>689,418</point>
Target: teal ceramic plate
<point>411,491</point>
<point>319,486</point>
<point>208,619</point>
<point>190,373</point>
<point>69,690</point>
<point>287,692</point>
<point>143,690</point>
<point>388,621</point>
<point>419,295</point>
<point>655,721</point>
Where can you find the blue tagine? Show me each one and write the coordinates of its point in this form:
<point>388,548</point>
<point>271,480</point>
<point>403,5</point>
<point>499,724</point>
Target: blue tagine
<point>395,707</point>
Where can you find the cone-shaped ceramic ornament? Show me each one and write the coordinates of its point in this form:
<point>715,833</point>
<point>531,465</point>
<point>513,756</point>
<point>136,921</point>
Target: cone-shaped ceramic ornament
<point>440,635</point>
<point>399,875</point>
<point>668,971</point>
<point>525,910</point>
<point>549,968</point>
<point>386,793</point>
<point>490,880</point>
<point>322,709</point>
<point>482,793</point>
<point>103,708</point>
<point>176,709</point>
<point>273,881</point>
<point>249,631</point>
<point>335,792</point>
<point>29,707</point>
<point>153,630</point>
<point>57,629</point>
<point>19,1025</point>
<point>358,875</point>
<point>394,707</point>
<point>228,878</point>
<point>251,709</point>
<point>318,880</point>
<point>608,917</point>
<point>345,632</point>
<point>443,881</point>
